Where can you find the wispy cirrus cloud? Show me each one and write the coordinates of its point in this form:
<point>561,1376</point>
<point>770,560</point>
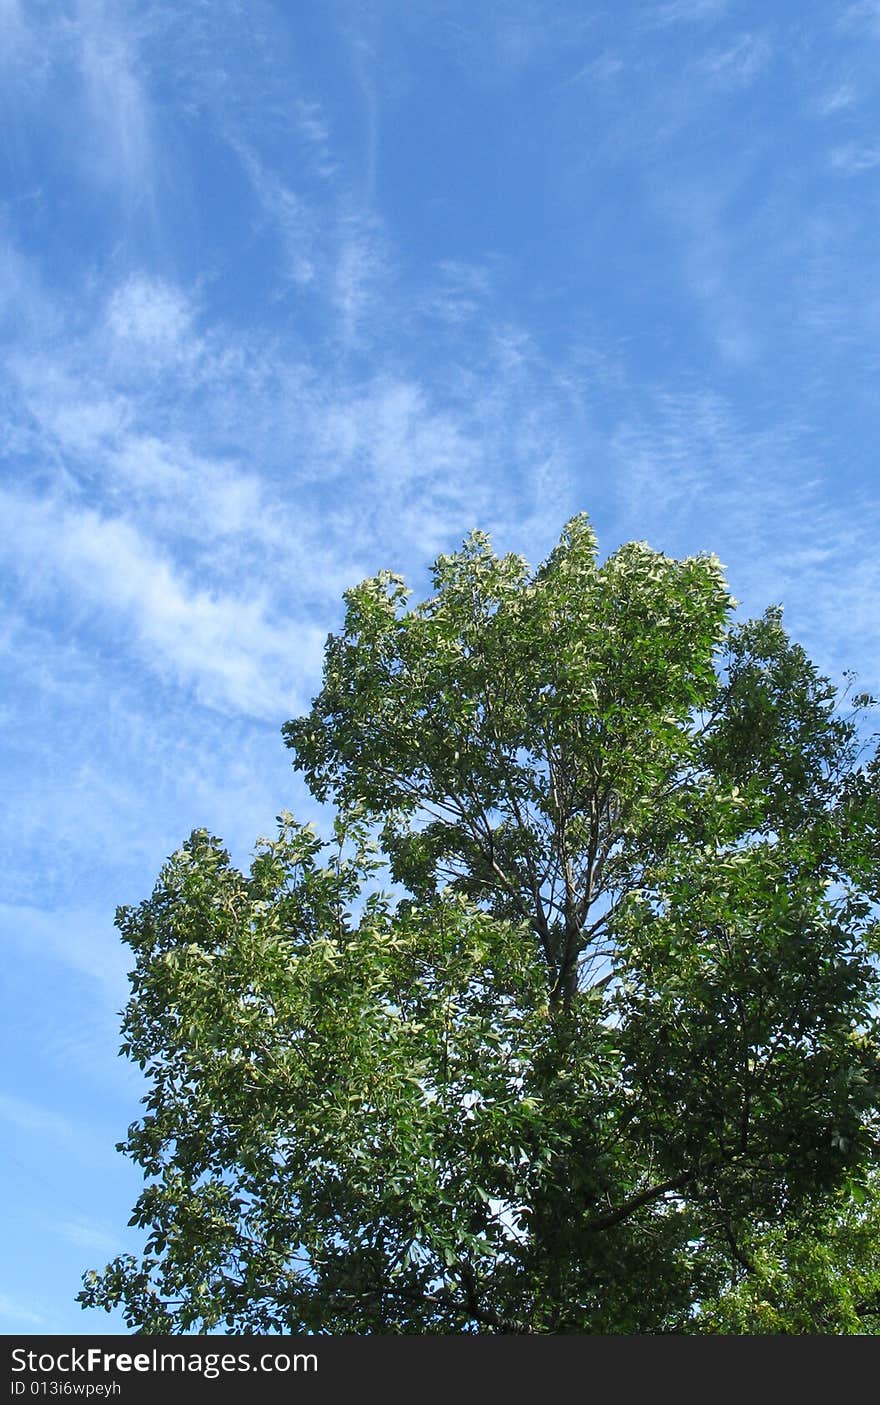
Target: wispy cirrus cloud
<point>34,1119</point>
<point>739,63</point>
<point>861,17</point>
<point>697,478</point>
<point>22,1315</point>
<point>225,646</point>
<point>82,939</point>
<point>839,97</point>
<point>291,214</point>
<point>855,158</point>
<point>123,399</point>
<point>687,11</point>
<point>25,57</point>
<point>88,1234</point>
<point>120,145</point>
<point>89,53</point>
<point>710,250</point>
<point>31,1118</point>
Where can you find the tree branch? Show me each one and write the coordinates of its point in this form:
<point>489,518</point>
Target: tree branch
<point>644,1197</point>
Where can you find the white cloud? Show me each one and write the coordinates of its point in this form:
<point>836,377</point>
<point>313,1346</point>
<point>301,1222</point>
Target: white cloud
<point>854,158</point>
<point>337,254</point>
<point>201,495</point>
<point>86,404</point>
<point>12,25</point>
<point>83,939</point>
<point>76,68</point>
<point>25,308</point>
<point>36,1120</point>
<point>362,41</point>
<point>838,98</point>
<point>226,647</point>
<point>67,1136</point>
<point>110,407</point>
<point>297,225</point>
<point>21,1314</point>
<point>688,11</point>
<point>863,16</point>
<point>393,431</point>
<point>11,18</point>
<point>81,425</point>
<point>152,316</point>
<point>690,476</point>
<point>315,130</point>
<point>119,149</point>
<point>357,279</point>
<point>86,1234</point>
<point>739,63</point>
<point>459,292</point>
<point>498,43</point>
<point>709,249</point>
<point>25,56</point>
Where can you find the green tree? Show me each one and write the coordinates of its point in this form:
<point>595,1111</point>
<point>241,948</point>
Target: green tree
<point>603,1059</point>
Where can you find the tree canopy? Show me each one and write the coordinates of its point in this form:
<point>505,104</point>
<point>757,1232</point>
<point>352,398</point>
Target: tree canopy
<point>571,1027</point>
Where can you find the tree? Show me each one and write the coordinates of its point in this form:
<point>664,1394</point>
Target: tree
<point>604,1056</point>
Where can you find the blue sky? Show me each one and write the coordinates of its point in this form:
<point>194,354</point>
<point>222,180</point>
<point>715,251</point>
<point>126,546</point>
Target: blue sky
<point>290,292</point>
